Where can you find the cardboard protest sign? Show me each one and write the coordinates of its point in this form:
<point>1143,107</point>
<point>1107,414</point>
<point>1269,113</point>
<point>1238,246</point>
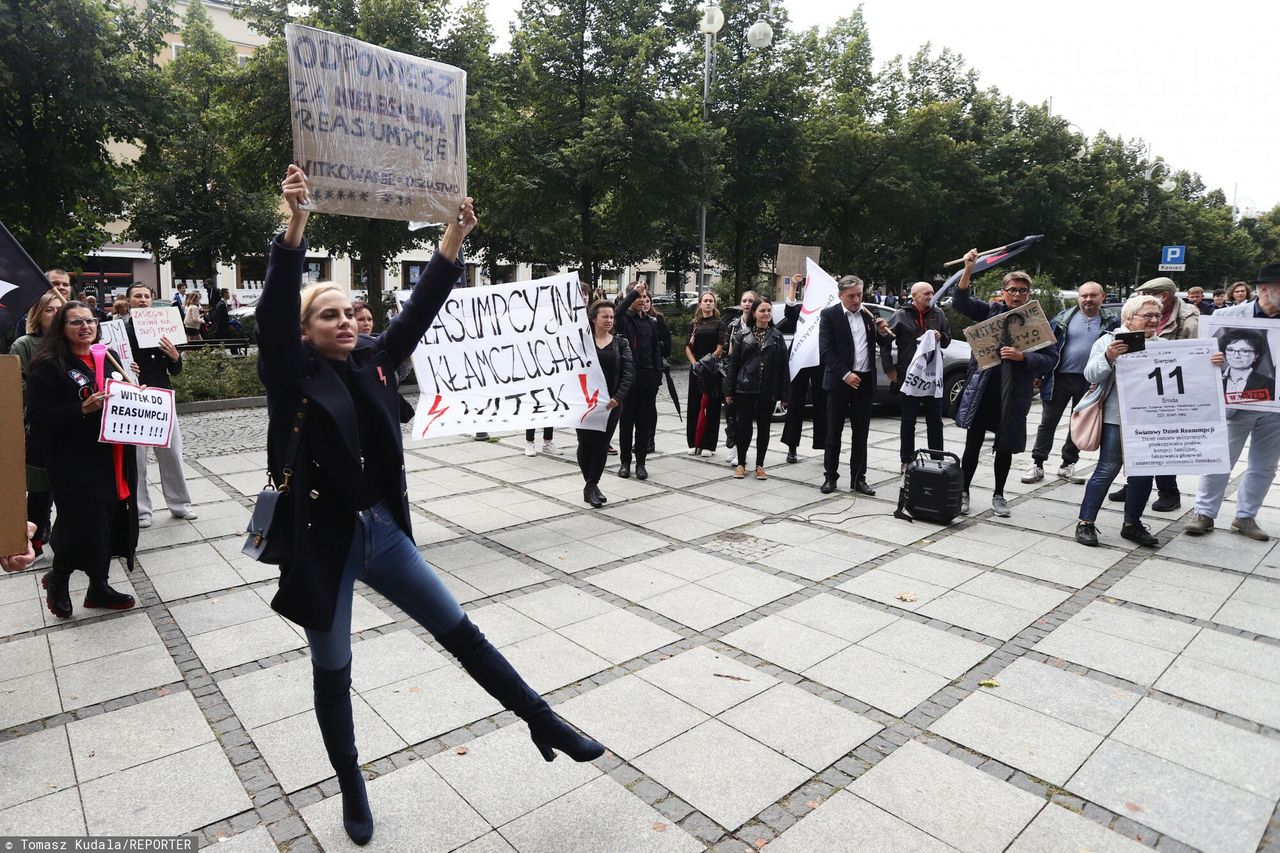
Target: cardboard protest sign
<point>510,356</point>
<point>152,324</point>
<point>116,337</point>
<point>1030,333</point>
<point>13,463</point>
<point>1172,418</point>
<point>924,373</point>
<point>379,133</point>
<point>820,291</point>
<point>1251,347</point>
<point>792,259</point>
<point>135,415</point>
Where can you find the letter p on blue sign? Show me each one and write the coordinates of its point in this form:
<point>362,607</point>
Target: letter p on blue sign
<point>1173,259</point>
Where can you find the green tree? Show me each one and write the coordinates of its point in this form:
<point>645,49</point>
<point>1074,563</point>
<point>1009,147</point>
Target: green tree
<point>75,77</point>
<point>188,198</point>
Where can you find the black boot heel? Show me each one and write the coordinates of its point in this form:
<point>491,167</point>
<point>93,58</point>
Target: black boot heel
<point>550,733</point>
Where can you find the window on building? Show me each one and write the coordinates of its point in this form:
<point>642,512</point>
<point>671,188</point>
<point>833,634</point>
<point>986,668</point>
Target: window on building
<point>251,272</point>
<point>504,273</point>
<point>243,59</point>
<point>177,48</point>
<point>411,272</point>
<point>317,269</point>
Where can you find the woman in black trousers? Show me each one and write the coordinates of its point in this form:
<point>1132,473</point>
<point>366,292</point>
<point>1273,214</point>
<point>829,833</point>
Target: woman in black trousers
<point>93,484</point>
<point>758,378</point>
<point>702,412</point>
<point>640,414</point>
<point>334,442</point>
<point>614,354</point>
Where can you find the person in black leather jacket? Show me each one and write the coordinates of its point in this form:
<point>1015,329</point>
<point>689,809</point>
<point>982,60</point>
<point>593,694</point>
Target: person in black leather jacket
<point>640,412</point>
<point>758,379</point>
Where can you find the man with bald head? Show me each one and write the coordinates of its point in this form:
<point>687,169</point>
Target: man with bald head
<point>909,324</point>
<point>1076,329</point>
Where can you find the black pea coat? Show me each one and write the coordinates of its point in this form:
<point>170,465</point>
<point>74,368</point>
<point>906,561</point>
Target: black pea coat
<point>835,346</point>
<point>93,524</point>
<point>328,465</point>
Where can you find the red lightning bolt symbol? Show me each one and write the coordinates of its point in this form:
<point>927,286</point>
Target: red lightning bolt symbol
<point>591,399</point>
<point>433,411</point>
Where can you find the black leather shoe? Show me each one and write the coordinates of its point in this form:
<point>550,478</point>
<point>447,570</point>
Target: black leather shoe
<point>100,594</point>
<point>1087,534</point>
<point>642,473</point>
<point>1167,503</point>
<point>791,457</point>
<point>589,495</point>
<point>828,486</point>
<point>1140,534</point>
<point>624,471</point>
<point>595,488</point>
<point>862,488</point>
<point>1118,495</point>
<point>56,596</point>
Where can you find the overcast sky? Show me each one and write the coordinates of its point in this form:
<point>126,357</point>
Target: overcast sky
<point>1198,81</point>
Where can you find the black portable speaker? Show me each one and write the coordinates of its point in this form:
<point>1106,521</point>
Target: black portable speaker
<point>934,486</point>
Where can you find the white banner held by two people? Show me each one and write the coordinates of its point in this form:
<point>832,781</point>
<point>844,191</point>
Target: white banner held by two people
<point>510,356</point>
<point>820,291</point>
<point>1172,418</point>
<point>924,374</point>
<point>1251,348</point>
<point>379,133</point>
<point>135,415</point>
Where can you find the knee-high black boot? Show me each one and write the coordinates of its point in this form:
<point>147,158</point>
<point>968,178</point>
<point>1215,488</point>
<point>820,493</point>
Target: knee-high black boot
<point>333,713</point>
<point>490,669</point>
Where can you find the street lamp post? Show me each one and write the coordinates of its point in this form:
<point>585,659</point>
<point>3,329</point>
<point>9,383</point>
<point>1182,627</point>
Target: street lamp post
<point>759,36</point>
<point>1168,185</point>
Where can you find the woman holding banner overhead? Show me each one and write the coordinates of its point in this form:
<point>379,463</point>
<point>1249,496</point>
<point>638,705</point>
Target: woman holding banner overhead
<point>334,437</point>
<point>1142,313</point>
<point>614,354</point>
<point>93,484</point>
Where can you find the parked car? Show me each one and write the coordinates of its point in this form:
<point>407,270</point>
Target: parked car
<point>955,366</point>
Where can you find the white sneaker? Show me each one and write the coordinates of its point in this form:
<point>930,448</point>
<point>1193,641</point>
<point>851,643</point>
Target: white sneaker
<point>1068,473</point>
<point>550,447</point>
<point>530,450</point>
<point>731,456</point>
<point>1035,473</point>
<point>144,522</point>
<point>694,451</point>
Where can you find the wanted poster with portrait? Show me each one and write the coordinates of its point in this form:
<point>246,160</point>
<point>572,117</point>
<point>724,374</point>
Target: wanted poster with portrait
<point>1251,348</point>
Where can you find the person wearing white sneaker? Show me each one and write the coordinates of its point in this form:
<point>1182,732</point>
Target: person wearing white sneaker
<point>1064,386</point>
<point>548,446</point>
<point>1260,428</point>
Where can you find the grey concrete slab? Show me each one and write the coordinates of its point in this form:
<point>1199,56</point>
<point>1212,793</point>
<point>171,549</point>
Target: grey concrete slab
<point>182,558</point>
<point>19,587</point>
<point>432,703</point>
<point>838,617</point>
<point>183,583</point>
<point>895,590</point>
<point>451,556</point>
<point>877,679</point>
<point>220,611</point>
<point>1127,659</point>
<point>931,570</point>
<point>271,694</point>
<point>749,585</point>
<point>707,680</point>
<point>558,606</point>
<point>601,815</point>
<point>573,557</point>
<point>53,814</point>
<point>24,657</point>
<point>29,697</point>
<point>384,659</point>
<point>607,713</point>
<point>550,661</point>
<point>979,614</point>
<point>696,606</point>
<point>19,616</point>
<point>168,796</point>
<point>788,644</point>
<point>501,575</point>
<point>83,683</point>
<point>34,766</point>
<point>1057,830</point>
<point>1126,623</point>
<point>1168,586</point>
<point>1013,592</point>
<point>849,824</point>
<point>399,801</point>
<point>294,751</point>
<point>795,723</point>
<point>618,635</point>
<point>502,776</point>
<point>503,625</point>
<point>1189,806</point>
<point>492,842</point>
<point>721,772</point>
<point>1044,747</point>
<point>928,648</point>
<point>980,553</point>
<point>855,551</point>
<point>947,798</point>
<point>249,641</point>
<point>102,638</point>
<point>1261,660</point>
<point>1076,699</point>
<point>1227,753</point>
<point>117,740</point>
<point>256,840</point>
<point>1225,689</point>
<point>807,563</point>
<point>688,563</point>
<point>635,581</point>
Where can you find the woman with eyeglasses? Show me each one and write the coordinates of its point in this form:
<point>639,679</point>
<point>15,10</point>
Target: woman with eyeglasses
<point>1242,382</point>
<point>93,484</point>
<point>1141,313</point>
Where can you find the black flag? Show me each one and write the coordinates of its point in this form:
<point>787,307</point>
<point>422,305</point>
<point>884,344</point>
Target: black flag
<point>22,282</point>
<point>986,262</point>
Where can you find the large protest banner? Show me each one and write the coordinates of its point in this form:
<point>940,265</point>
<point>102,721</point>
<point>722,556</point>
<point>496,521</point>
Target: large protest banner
<point>135,415</point>
<point>1251,347</point>
<point>379,133</point>
<point>1172,418</point>
<point>1028,328</point>
<point>820,291</point>
<point>510,356</point>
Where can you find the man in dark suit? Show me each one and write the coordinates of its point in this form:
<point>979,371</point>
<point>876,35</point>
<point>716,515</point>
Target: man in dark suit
<point>848,336</point>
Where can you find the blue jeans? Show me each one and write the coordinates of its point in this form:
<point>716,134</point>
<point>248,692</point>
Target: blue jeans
<point>1263,431</point>
<point>1110,464</point>
<point>385,558</point>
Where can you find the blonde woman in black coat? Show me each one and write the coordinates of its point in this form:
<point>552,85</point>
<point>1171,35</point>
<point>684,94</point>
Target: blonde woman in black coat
<point>348,496</point>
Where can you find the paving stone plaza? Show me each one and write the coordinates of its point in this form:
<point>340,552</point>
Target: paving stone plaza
<point>767,666</point>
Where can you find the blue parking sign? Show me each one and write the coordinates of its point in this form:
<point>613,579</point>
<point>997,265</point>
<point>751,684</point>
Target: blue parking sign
<point>1173,259</point>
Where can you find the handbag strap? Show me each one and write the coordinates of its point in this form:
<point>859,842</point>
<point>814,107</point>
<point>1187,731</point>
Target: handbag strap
<point>291,449</point>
